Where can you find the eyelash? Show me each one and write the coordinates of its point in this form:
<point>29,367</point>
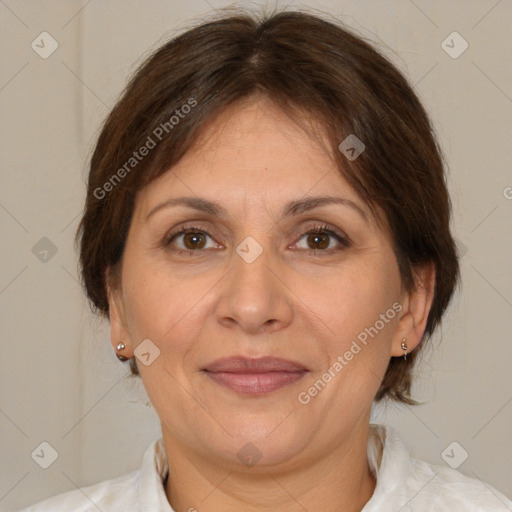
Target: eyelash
<point>318,229</point>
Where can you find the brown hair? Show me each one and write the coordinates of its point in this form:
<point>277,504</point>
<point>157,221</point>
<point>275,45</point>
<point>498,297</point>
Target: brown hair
<point>305,64</point>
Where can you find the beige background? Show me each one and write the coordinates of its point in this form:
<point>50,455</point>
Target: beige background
<point>60,381</point>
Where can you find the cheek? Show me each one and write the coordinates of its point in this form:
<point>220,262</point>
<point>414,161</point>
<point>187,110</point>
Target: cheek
<point>164,306</point>
<point>354,299</point>
<point>358,322</point>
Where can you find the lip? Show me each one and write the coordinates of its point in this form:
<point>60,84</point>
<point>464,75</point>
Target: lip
<point>255,376</point>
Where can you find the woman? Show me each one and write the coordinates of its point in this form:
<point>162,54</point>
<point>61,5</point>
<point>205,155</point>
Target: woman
<point>267,229</point>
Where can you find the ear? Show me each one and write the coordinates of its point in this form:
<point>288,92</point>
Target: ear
<point>415,310</point>
<point>118,327</point>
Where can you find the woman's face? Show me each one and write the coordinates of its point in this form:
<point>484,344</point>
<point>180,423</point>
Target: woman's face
<point>248,282</point>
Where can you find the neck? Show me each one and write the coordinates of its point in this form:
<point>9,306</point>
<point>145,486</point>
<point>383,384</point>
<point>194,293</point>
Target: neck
<point>339,480</point>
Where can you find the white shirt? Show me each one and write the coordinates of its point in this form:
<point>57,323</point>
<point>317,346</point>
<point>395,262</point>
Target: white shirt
<point>404,484</point>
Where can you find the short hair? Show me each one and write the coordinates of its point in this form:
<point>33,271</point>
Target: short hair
<point>306,65</point>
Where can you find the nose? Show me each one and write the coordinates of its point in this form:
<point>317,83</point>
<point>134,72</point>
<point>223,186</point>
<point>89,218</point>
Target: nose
<point>254,295</point>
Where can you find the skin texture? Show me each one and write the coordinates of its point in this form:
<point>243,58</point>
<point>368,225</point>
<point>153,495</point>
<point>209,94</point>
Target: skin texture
<point>290,302</point>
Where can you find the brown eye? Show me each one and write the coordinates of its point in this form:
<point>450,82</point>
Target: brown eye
<point>194,240</point>
<point>318,240</point>
<point>189,239</point>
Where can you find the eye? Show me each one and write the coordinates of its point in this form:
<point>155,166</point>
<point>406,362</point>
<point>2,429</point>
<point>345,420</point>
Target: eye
<point>193,239</point>
<point>189,239</point>
<point>324,239</point>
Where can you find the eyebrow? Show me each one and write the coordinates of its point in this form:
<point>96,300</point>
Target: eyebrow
<point>291,208</point>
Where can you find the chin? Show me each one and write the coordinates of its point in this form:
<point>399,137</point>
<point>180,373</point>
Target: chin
<point>260,442</point>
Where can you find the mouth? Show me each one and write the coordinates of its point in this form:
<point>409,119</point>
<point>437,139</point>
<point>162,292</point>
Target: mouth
<point>255,377</point>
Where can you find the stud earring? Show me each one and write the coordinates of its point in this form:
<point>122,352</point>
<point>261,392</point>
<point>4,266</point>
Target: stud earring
<point>404,348</point>
<point>121,346</point>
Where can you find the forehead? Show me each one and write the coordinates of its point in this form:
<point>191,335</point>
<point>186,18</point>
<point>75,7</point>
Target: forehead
<point>255,151</point>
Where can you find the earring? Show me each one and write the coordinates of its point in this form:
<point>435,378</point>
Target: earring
<point>404,348</point>
<point>121,346</point>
